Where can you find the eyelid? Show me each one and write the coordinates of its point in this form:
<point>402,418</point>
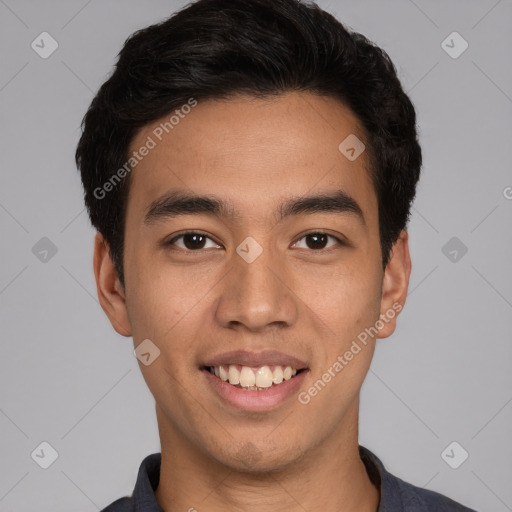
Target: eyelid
<point>340,240</point>
<point>171,242</point>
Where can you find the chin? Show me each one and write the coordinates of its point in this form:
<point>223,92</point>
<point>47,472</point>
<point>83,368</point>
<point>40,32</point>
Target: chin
<point>249,457</point>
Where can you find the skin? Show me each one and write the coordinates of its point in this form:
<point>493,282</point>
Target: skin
<point>307,302</point>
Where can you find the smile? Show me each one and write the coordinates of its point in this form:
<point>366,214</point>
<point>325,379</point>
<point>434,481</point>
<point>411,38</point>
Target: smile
<point>251,378</point>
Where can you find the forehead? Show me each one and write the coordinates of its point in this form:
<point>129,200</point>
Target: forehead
<point>254,151</point>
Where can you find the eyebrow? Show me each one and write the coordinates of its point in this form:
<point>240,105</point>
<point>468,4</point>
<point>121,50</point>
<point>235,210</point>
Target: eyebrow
<point>178,203</point>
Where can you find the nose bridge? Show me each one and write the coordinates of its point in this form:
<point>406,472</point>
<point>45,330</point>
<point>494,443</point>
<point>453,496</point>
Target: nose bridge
<point>255,294</point>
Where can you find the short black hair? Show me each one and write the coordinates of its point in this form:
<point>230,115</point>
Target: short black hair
<point>216,49</point>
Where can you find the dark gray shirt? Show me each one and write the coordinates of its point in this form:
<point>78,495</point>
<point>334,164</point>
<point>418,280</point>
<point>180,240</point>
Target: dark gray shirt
<point>395,494</point>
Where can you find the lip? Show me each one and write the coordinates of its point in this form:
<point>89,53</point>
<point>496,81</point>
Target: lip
<point>256,359</point>
<point>255,401</point>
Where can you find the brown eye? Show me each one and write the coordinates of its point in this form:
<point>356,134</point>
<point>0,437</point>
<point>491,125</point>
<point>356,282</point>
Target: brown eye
<point>317,241</point>
<point>192,241</point>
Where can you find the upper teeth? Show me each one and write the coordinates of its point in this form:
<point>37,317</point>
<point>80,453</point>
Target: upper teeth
<point>248,377</point>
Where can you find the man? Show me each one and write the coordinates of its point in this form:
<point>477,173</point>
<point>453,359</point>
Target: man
<point>249,167</point>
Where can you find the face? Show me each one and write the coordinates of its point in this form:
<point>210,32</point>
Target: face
<point>252,245</point>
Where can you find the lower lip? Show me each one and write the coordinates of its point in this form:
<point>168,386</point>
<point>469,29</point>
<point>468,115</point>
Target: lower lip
<point>255,401</point>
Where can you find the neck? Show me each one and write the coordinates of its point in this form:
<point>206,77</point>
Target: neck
<point>331,478</point>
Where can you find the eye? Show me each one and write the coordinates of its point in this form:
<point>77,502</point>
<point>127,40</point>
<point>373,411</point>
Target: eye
<point>192,241</point>
<point>318,241</point>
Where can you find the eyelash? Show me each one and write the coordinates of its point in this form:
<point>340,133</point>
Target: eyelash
<point>171,242</point>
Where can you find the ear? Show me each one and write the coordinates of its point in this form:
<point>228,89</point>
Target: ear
<point>395,284</point>
<point>109,288</point>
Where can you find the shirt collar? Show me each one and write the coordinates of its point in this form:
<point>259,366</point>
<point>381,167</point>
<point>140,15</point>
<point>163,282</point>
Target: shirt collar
<point>147,482</point>
<point>388,484</point>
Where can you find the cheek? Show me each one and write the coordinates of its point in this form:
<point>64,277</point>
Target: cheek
<point>342,359</point>
<point>160,300</point>
<point>346,300</point>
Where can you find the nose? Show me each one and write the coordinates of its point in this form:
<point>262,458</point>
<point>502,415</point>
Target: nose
<point>257,295</point>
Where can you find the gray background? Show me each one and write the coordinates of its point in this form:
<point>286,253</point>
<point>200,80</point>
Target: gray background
<point>68,379</point>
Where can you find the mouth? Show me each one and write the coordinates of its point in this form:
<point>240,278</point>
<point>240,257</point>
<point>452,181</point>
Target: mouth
<point>251,378</point>
<point>256,382</point>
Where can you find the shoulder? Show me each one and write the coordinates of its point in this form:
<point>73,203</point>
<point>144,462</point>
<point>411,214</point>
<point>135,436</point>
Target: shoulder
<point>143,496</point>
<point>416,499</point>
<point>396,495</point>
<point>121,505</point>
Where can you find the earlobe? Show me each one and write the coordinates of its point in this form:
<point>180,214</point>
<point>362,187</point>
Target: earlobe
<point>395,284</point>
<point>110,292</point>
